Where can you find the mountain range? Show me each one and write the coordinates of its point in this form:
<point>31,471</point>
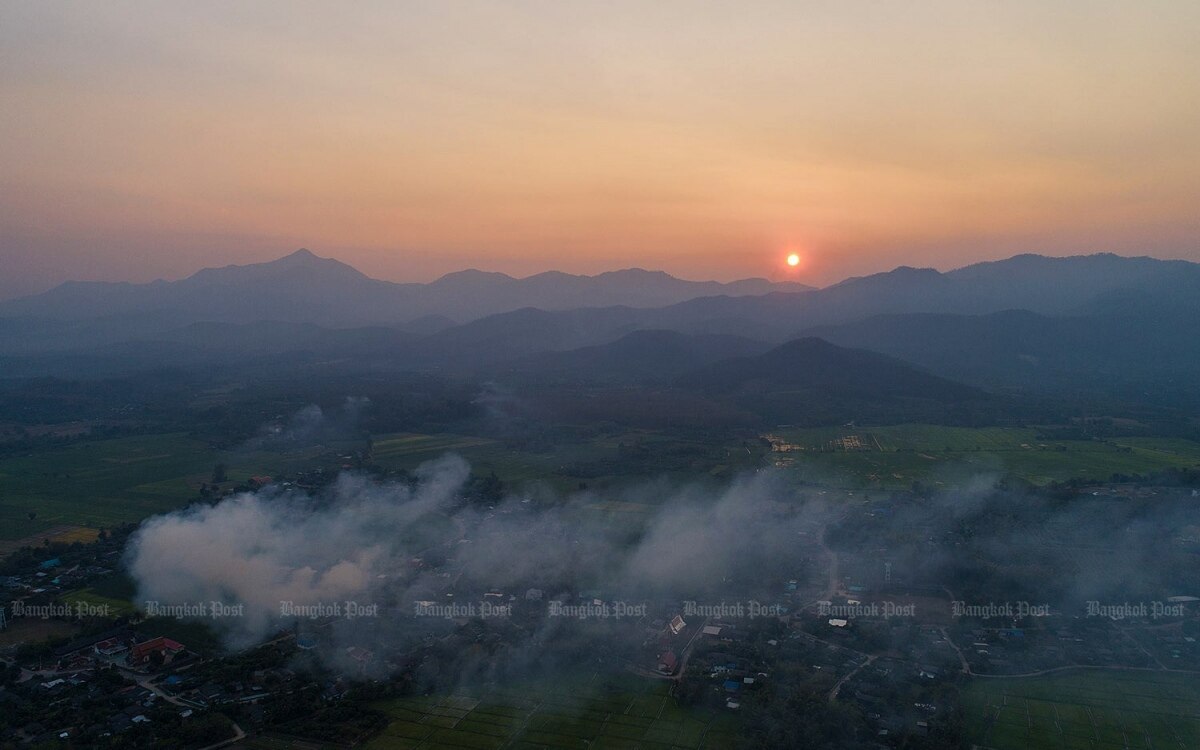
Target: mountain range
<point>305,288</point>
<point>1034,322</point>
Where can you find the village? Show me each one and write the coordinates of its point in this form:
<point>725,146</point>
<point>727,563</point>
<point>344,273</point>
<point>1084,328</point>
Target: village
<point>868,632</point>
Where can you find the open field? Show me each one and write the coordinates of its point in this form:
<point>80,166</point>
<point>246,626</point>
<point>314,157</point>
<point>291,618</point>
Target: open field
<point>63,533</point>
<point>1087,710</point>
<point>634,714</point>
<point>896,456</point>
<point>100,483</point>
<point>597,461</point>
<point>94,484</point>
<point>276,742</point>
<point>89,600</point>
<point>35,630</point>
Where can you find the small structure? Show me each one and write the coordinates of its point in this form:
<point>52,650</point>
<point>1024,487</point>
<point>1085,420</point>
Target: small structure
<point>668,662</point>
<point>677,625</point>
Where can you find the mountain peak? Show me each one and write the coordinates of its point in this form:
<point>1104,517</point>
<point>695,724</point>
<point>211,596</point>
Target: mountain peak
<point>472,276</point>
<point>303,262</point>
<point>305,257</point>
<point>303,254</point>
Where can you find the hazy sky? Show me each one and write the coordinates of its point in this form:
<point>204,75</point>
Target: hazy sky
<point>140,140</point>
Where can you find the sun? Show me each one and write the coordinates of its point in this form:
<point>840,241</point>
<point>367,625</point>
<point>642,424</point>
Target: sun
<point>793,260</point>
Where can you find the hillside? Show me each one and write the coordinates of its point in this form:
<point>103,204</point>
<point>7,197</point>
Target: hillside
<point>811,381</point>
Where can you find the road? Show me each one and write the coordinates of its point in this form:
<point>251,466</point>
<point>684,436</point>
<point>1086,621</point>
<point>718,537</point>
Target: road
<point>834,692</point>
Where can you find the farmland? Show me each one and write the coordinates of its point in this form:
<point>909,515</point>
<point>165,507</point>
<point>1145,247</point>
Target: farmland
<point>102,483</point>
<point>896,456</point>
<point>567,714</point>
<point>564,464</point>
<point>1088,710</point>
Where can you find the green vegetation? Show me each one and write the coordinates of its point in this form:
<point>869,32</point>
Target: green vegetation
<point>115,591</point>
<point>1088,710</point>
<point>100,483</point>
<point>88,598</point>
<point>104,483</point>
<point>613,713</point>
<point>896,456</point>
<point>596,460</point>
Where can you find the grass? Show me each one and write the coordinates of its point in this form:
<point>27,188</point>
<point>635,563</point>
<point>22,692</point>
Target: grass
<point>896,456</point>
<point>596,461</point>
<point>410,450</point>
<point>102,483</point>
<point>557,714</point>
<point>1090,710</point>
<point>116,591</point>
<point>96,602</point>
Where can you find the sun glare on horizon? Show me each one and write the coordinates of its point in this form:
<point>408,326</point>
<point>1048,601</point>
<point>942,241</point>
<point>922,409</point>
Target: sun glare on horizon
<point>793,260</point>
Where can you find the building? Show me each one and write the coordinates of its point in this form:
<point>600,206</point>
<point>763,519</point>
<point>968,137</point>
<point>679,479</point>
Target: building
<point>142,654</point>
<point>668,662</point>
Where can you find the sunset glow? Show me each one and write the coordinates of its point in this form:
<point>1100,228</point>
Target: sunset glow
<point>414,139</point>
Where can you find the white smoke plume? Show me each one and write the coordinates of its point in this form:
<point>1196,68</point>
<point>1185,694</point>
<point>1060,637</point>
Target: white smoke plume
<point>258,550</point>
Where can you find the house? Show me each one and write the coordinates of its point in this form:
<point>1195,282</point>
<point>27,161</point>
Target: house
<point>210,693</point>
<point>667,663</point>
<point>676,625</point>
<point>142,653</point>
<point>87,646</point>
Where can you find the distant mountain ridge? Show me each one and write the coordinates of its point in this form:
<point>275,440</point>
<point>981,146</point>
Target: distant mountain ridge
<point>1104,322</point>
<point>305,288</point>
<point>1082,285</point>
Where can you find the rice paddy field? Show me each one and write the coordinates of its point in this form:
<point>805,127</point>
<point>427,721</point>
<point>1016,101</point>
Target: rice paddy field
<point>408,450</point>
<point>596,462</point>
<point>895,456</point>
<point>73,491</point>
<point>95,484</point>
<point>634,714</point>
<point>1086,710</point>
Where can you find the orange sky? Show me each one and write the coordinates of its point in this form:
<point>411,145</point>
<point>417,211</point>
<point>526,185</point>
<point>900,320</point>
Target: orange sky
<point>140,140</point>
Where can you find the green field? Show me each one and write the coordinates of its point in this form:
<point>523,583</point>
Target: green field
<point>564,465</point>
<point>1086,710</point>
<point>634,714</point>
<point>896,456</point>
<point>88,597</point>
<point>101,483</point>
